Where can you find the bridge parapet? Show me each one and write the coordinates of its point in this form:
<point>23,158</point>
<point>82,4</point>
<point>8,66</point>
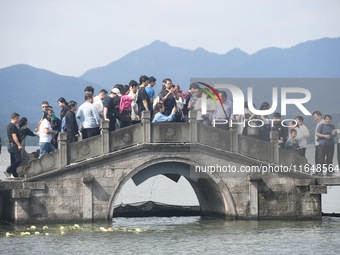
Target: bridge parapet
<point>126,137</point>
<point>46,163</point>
<point>254,148</point>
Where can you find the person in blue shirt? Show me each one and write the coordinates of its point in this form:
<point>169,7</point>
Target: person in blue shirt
<point>292,144</point>
<point>150,91</point>
<point>325,134</point>
<point>159,114</point>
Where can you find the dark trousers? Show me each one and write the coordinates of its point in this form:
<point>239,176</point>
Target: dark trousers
<point>338,152</point>
<point>72,139</point>
<point>325,150</point>
<point>112,124</point>
<point>134,122</point>
<point>89,132</point>
<point>125,118</point>
<point>316,154</point>
<point>302,152</point>
<point>16,160</point>
<point>222,126</point>
<point>125,124</point>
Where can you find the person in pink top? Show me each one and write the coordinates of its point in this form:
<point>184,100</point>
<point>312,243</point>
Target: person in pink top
<point>125,107</point>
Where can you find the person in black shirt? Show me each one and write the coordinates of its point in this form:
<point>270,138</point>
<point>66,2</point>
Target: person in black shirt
<point>143,101</point>
<point>89,90</point>
<point>71,123</point>
<point>63,105</point>
<point>14,146</point>
<point>111,108</point>
<point>167,96</point>
<point>24,130</point>
<point>283,131</point>
<point>56,126</point>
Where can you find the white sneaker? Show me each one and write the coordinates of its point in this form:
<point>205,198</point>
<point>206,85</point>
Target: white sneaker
<point>7,175</point>
<point>11,177</point>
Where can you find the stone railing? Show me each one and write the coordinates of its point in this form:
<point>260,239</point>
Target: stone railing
<point>153,133</point>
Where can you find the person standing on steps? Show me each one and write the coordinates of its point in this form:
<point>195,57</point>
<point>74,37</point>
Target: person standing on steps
<point>14,146</point>
<point>46,134</point>
<point>24,131</point>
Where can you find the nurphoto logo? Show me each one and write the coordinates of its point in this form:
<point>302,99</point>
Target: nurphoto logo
<point>301,97</point>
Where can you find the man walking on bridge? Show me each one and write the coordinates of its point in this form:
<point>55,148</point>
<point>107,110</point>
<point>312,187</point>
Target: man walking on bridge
<point>14,146</point>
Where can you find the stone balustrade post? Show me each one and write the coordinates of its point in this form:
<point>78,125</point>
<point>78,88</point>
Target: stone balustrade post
<point>193,126</point>
<point>146,126</point>
<point>253,196</point>
<point>105,136</point>
<point>274,147</point>
<point>63,150</point>
<point>88,198</point>
<point>233,134</point>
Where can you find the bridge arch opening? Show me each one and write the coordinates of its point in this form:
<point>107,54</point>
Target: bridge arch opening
<point>328,207</point>
<point>213,196</point>
<point>157,196</point>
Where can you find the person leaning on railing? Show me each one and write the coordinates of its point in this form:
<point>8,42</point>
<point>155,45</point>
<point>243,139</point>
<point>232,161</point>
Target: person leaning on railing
<point>160,116</point>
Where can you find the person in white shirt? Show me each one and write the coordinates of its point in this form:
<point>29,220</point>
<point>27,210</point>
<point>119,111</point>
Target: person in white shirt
<point>98,102</point>
<point>196,105</point>
<point>224,112</point>
<point>46,134</point>
<point>89,118</point>
<point>302,135</point>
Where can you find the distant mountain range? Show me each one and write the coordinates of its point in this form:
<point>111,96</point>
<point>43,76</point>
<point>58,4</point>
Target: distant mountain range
<point>24,87</point>
<point>319,58</point>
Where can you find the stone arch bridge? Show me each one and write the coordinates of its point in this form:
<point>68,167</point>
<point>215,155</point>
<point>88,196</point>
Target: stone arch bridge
<point>80,181</point>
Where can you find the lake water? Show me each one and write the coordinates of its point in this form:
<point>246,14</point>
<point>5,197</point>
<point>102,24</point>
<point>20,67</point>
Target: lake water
<point>187,235</point>
<point>180,235</point>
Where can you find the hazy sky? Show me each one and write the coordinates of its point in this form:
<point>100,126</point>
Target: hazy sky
<point>71,36</point>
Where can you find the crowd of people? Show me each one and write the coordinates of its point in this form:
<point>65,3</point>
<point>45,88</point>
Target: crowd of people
<point>124,104</point>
